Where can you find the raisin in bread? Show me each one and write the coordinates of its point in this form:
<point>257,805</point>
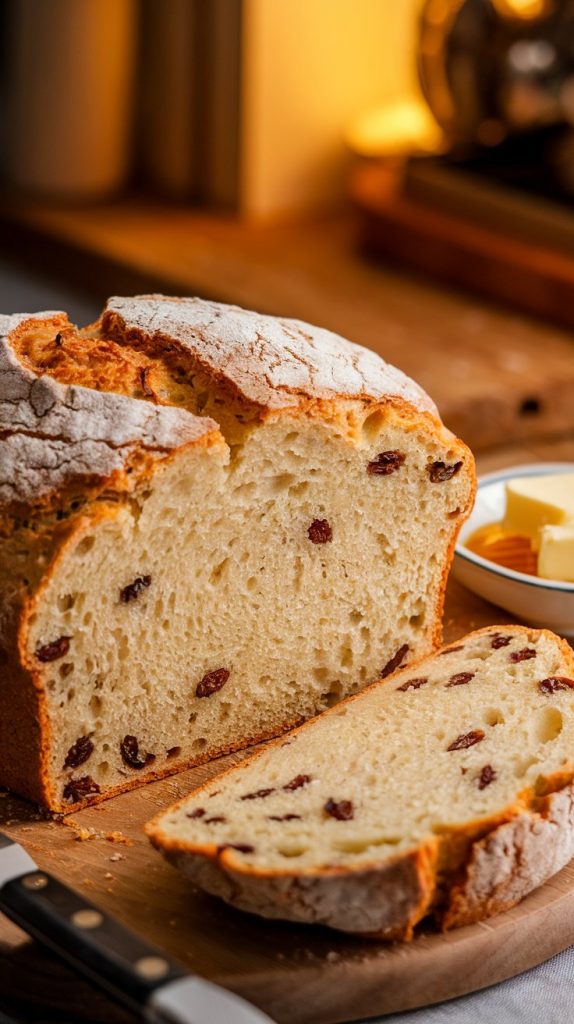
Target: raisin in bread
<point>213,525</point>
<point>446,788</point>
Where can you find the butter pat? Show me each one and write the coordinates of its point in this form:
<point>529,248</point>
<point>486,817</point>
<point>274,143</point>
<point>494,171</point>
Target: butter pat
<point>556,555</point>
<point>533,502</point>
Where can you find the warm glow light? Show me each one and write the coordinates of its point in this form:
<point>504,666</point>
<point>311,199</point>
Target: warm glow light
<point>399,128</point>
<point>522,8</point>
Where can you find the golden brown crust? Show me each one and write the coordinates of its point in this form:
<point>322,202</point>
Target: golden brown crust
<point>383,902</point>
<point>512,860</point>
<point>271,362</point>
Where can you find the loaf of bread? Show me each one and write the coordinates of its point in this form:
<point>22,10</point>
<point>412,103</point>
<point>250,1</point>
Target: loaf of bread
<point>446,788</point>
<point>213,525</point>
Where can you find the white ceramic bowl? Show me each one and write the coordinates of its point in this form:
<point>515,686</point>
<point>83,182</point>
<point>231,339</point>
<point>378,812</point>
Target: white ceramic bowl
<point>536,601</point>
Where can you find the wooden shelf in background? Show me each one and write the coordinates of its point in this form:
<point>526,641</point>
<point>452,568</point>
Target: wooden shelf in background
<point>496,376</point>
<point>530,277</point>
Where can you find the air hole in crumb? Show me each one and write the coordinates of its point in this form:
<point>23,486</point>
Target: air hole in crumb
<point>85,545</point>
<point>351,846</point>
<point>218,571</point>
<point>372,426</point>
<point>123,650</point>
<point>346,656</point>
<point>291,851</point>
<point>103,769</point>
<point>549,724</point>
<point>65,669</point>
<point>70,694</point>
<point>200,743</point>
<point>173,752</point>
<point>493,716</point>
<point>321,674</point>
<point>66,601</point>
<point>296,490</point>
<point>95,705</point>
<point>281,482</point>
<point>522,766</point>
<point>244,490</point>
<point>360,846</point>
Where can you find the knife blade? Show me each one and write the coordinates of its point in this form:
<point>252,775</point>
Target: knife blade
<point>135,973</point>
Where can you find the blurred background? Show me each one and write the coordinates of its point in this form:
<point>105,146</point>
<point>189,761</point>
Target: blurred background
<point>401,172</point>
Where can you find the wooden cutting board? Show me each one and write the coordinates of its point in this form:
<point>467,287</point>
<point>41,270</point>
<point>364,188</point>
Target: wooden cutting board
<point>299,975</point>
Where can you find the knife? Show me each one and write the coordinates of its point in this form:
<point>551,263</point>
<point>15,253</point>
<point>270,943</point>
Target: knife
<point>138,975</point>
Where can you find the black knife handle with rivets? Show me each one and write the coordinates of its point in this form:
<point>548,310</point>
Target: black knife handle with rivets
<point>97,945</point>
<point>134,973</point>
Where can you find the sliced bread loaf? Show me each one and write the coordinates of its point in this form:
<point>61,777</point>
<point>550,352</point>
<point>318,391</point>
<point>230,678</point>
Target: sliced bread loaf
<point>446,789</point>
<point>213,525</point>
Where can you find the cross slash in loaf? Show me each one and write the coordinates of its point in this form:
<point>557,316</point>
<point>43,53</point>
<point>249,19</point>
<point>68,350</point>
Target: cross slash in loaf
<point>213,525</point>
<point>446,788</point>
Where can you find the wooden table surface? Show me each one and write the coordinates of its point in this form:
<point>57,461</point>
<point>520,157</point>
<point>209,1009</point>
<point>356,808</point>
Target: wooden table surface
<point>496,376</point>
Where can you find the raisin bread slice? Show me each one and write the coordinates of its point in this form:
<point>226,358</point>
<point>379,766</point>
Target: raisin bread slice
<point>446,789</point>
<point>213,524</point>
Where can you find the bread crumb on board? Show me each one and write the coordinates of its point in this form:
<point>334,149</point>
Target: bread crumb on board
<point>84,833</point>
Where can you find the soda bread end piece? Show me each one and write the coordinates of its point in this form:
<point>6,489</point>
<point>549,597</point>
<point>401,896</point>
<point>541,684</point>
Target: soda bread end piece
<point>445,789</point>
<point>213,525</point>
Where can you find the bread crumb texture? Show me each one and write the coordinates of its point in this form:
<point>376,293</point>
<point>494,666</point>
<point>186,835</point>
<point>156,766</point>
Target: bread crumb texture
<point>445,788</point>
<point>213,525</point>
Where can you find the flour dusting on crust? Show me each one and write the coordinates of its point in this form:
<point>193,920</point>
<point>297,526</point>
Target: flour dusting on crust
<point>272,361</point>
<point>52,433</point>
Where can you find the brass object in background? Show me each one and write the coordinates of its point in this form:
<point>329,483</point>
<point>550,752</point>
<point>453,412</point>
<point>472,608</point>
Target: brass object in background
<point>491,69</point>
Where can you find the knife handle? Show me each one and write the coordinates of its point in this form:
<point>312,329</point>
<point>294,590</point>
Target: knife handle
<point>92,942</point>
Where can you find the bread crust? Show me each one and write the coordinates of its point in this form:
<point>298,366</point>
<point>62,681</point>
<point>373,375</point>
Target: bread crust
<point>272,362</point>
<point>52,433</point>
<point>512,860</point>
<point>498,860</point>
<point>383,902</point>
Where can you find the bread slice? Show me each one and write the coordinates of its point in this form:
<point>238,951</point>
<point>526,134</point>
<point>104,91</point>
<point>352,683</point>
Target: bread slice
<point>446,788</point>
<point>213,525</point>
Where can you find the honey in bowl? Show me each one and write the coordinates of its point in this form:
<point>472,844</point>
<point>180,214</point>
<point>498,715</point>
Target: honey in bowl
<point>511,550</point>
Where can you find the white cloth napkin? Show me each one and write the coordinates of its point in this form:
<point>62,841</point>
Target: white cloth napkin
<point>543,995</point>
